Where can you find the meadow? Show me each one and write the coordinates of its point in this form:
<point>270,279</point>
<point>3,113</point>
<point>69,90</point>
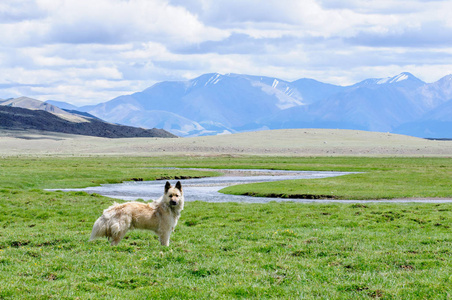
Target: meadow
<point>229,250</point>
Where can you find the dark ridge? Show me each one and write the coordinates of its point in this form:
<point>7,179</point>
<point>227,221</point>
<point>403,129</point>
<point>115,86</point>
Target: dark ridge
<point>15,118</point>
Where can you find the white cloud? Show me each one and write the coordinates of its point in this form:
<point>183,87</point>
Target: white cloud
<point>12,11</point>
<point>91,51</point>
<point>104,21</point>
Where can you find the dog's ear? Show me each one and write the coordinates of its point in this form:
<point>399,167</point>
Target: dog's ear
<point>179,186</point>
<point>167,186</point>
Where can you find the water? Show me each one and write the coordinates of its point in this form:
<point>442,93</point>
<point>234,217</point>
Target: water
<point>206,189</point>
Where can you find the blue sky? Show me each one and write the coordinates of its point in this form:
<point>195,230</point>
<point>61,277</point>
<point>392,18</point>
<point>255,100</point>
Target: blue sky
<point>90,51</point>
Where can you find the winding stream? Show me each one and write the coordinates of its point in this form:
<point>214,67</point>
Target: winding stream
<point>207,189</point>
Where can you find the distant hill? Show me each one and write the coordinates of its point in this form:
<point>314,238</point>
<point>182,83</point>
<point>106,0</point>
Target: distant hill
<point>30,103</point>
<point>45,117</point>
<point>62,105</point>
<point>437,123</point>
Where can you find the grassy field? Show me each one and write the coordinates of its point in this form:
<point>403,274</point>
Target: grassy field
<point>228,250</point>
<point>382,178</point>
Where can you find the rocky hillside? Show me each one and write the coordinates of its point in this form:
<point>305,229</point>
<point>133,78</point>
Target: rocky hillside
<point>18,118</point>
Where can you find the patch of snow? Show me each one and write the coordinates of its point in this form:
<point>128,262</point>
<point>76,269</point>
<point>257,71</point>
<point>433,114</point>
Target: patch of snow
<point>383,80</point>
<point>213,80</point>
<point>394,79</point>
<point>399,77</point>
<point>286,96</point>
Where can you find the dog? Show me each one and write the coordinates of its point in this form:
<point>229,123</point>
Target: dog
<point>160,216</point>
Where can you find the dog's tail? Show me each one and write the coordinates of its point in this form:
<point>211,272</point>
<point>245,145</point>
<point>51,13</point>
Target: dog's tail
<point>100,228</point>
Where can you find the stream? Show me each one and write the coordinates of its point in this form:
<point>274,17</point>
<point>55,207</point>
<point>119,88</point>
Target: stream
<point>207,189</point>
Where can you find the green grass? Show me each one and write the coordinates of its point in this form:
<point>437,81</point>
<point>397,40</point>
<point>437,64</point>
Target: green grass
<point>25,173</point>
<point>383,178</point>
<point>221,251</point>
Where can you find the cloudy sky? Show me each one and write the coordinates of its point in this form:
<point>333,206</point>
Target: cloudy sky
<point>90,51</point>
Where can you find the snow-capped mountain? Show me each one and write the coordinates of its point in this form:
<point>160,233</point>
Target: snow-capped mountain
<point>221,103</point>
<point>373,104</point>
<point>404,79</point>
<point>218,104</point>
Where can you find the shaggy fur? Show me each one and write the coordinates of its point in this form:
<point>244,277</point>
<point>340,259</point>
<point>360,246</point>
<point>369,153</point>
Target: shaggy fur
<point>160,216</point>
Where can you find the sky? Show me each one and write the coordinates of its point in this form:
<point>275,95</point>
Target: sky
<point>91,51</point>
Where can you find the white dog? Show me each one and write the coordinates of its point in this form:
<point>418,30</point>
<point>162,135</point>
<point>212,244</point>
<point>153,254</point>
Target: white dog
<point>160,216</point>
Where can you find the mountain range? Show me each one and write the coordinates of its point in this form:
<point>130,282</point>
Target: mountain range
<point>219,104</point>
<point>26,113</point>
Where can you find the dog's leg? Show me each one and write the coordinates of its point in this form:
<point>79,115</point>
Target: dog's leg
<point>117,238</point>
<point>164,238</point>
<point>118,231</point>
<point>115,241</point>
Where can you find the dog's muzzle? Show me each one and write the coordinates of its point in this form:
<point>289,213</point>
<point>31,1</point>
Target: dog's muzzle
<point>172,202</point>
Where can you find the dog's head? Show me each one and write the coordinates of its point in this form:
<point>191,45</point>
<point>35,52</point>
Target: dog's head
<point>174,195</point>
